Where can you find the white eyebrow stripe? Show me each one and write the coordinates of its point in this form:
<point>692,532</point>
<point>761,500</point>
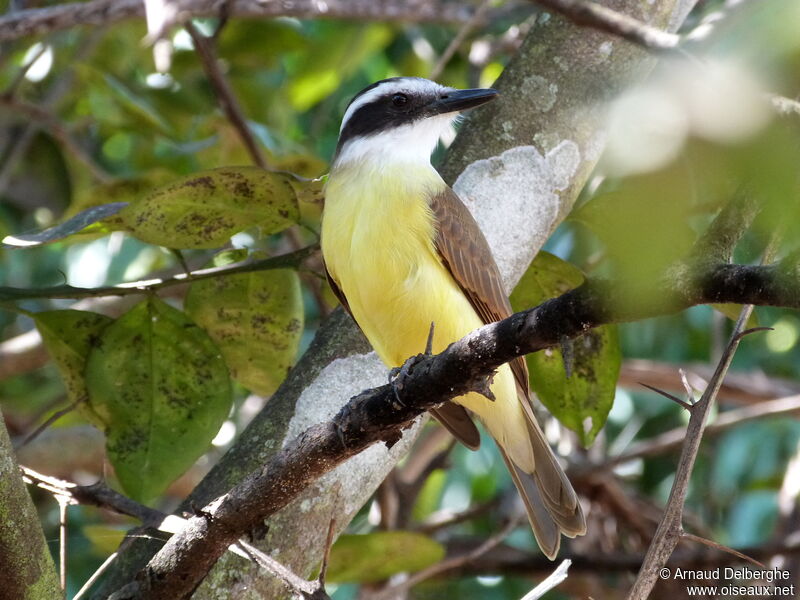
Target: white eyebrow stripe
<point>405,84</point>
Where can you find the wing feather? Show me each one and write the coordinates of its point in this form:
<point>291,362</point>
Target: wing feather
<point>466,253</point>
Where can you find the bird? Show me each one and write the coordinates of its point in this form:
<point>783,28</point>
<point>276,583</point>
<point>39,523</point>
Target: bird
<point>402,252</point>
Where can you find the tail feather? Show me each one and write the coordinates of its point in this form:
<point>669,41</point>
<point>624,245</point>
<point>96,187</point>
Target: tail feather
<point>550,500</point>
<point>553,481</point>
<point>545,529</point>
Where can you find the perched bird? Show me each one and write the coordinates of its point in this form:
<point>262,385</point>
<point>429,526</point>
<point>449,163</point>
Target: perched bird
<point>402,251</point>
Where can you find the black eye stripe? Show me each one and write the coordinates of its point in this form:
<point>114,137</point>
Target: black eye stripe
<point>385,112</point>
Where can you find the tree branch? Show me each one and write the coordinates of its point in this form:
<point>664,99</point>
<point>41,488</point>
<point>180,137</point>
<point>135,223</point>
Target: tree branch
<point>39,21</point>
<point>670,528</point>
<point>748,387</point>
<point>291,259</point>
<point>505,560</point>
<point>381,414</point>
<point>204,47</point>
<point>98,494</point>
<point>45,119</point>
<point>28,572</point>
<point>672,439</point>
<point>601,18</point>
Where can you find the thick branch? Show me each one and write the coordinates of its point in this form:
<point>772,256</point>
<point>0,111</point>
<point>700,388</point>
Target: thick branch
<point>602,18</point>
<point>381,414</point>
<point>23,23</point>
<point>28,569</point>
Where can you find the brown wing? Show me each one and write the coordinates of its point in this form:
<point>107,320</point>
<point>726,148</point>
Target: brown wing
<point>339,294</point>
<point>466,254</point>
<point>452,416</point>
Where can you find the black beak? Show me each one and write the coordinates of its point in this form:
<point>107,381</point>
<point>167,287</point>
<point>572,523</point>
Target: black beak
<point>458,100</point>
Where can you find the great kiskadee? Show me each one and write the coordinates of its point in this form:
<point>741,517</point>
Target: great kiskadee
<point>402,252</point>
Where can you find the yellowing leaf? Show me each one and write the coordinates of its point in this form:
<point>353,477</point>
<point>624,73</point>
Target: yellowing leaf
<point>377,556</point>
<point>255,318</point>
<point>205,209</point>
<point>161,387</point>
<point>68,336</point>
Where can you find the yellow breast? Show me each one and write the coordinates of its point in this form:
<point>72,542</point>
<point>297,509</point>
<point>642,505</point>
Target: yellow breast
<point>378,242</point>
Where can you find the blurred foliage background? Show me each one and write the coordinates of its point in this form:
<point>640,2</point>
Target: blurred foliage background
<point>85,119</point>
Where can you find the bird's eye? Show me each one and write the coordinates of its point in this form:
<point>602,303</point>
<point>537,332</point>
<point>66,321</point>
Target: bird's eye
<point>399,99</point>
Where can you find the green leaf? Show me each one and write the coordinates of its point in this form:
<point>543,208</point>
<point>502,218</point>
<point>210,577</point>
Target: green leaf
<point>255,318</point>
<point>643,223</point>
<point>547,277</point>
<point>161,386</point>
<point>69,336</point>
<point>69,227</point>
<point>377,556</point>
<point>583,400</point>
<point>205,209</point>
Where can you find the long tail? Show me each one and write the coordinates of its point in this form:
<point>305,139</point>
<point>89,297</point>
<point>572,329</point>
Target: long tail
<point>550,501</point>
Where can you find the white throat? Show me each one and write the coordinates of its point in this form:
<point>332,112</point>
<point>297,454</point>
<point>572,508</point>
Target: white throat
<point>408,144</point>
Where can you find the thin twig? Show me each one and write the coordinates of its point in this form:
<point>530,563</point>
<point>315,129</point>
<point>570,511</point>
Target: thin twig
<point>62,540</point>
<point>455,43</point>
<point>97,494</point>
<point>230,105</point>
<point>738,388</point>
<point>726,549</point>
<point>50,420</point>
<point>556,577</point>
<point>228,102</point>
<point>23,71</point>
<point>675,399</point>
<point>44,118</point>
<point>326,555</point>
<point>95,576</point>
<point>724,421</point>
<point>291,259</point>
<point>23,23</point>
<point>433,525</point>
<point>20,145</point>
<point>670,528</point>
<point>309,590</point>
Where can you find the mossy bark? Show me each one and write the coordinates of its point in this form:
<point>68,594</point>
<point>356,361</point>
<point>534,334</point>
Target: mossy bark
<point>27,567</point>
